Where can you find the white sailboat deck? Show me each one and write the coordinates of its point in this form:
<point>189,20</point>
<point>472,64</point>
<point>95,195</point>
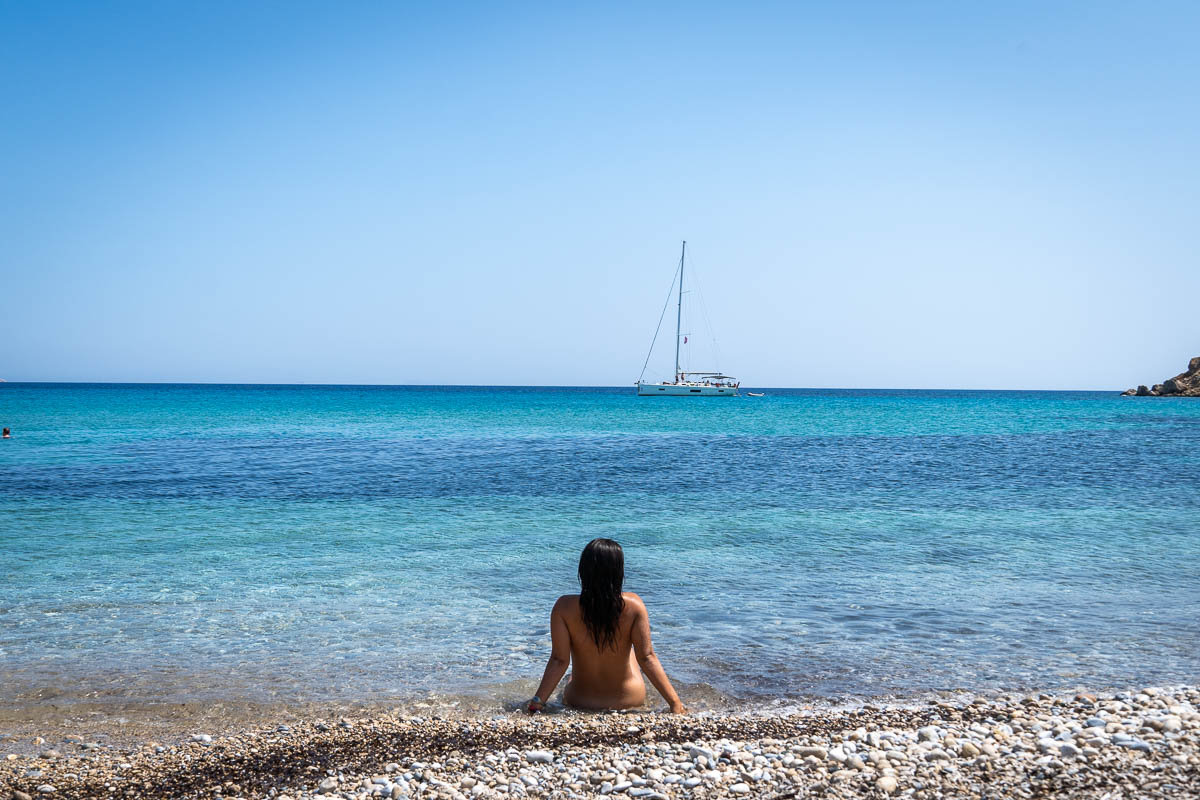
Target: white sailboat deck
<point>685,383</point>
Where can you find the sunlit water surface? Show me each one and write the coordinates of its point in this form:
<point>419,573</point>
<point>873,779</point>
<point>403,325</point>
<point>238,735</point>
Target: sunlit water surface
<point>186,542</point>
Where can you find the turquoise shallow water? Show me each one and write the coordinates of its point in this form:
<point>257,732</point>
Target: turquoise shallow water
<point>177,542</point>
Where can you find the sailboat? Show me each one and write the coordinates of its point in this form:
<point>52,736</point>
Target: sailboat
<point>685,384</point>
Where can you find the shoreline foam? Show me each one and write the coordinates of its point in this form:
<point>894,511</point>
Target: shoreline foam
<point>1144,744</point>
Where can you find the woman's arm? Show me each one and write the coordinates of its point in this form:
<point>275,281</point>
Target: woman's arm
<point>560,654</point>
<point>644,650</point>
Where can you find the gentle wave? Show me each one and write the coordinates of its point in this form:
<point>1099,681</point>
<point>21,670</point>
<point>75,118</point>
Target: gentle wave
<point>187,542</point>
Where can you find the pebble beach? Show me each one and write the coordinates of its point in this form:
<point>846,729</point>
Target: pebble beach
<point>1143,743</point>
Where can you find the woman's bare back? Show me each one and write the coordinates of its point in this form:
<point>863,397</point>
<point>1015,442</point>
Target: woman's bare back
<point>604,678</point>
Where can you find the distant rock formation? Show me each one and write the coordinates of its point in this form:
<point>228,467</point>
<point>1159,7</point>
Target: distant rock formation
<point>1185,384</point>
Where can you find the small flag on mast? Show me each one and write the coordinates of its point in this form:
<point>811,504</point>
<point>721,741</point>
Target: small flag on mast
<point>685,340</point>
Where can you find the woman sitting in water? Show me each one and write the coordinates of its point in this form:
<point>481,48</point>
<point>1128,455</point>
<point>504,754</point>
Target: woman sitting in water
<point>604,634</point>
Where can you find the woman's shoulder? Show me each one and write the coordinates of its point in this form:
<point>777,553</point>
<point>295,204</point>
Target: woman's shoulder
<point>631,599</point>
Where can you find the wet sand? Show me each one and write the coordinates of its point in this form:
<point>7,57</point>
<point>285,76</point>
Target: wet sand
<point>128,722</point>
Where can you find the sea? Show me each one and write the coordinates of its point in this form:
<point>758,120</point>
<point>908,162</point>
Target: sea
<point>177,543</point>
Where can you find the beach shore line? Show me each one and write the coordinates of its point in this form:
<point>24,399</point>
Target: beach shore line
<point>1143,743</point>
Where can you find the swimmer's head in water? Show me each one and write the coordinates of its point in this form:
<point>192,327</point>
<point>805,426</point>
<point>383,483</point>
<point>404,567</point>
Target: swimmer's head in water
<point>601,574</point>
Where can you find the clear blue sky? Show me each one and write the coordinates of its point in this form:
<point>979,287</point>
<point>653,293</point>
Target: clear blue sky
<point>976,195</point>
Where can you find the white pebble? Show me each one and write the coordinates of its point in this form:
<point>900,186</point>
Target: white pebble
<point>539,756</point>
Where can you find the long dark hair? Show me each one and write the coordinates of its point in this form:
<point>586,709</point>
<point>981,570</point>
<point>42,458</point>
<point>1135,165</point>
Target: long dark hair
<point>601,573</point>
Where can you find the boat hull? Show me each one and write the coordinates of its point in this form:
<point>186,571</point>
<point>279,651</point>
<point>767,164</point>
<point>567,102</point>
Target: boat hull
<point>684,390</point>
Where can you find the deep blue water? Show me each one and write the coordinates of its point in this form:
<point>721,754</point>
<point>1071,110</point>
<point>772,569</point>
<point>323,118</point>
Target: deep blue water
<point>169,542</point>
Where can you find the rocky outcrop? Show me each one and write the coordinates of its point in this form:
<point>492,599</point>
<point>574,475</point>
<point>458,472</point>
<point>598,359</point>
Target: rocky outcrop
<point>1185,384</point>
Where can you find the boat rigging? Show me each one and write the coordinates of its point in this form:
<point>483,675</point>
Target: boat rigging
<point>684,383</point>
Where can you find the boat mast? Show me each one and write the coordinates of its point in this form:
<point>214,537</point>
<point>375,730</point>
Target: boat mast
<point>679,310</point>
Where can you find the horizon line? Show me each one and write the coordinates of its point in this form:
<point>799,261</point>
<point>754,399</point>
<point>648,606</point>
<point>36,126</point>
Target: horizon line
<point>533,386</point>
